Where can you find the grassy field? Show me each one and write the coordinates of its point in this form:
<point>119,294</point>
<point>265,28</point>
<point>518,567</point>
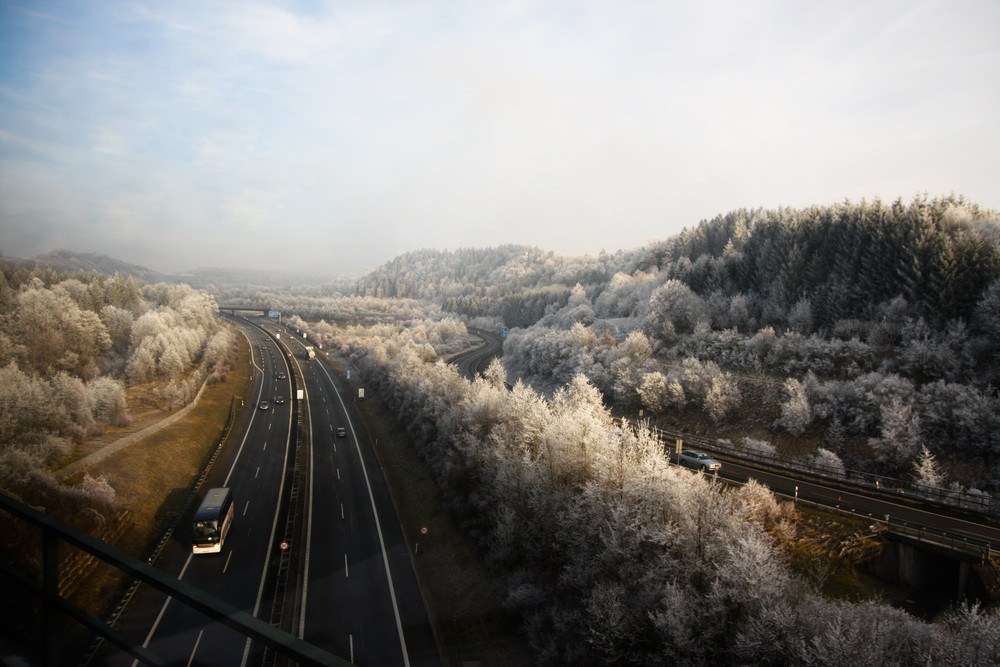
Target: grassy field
<point>152,477</point>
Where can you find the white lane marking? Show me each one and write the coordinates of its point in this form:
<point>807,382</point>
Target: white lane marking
<point>247,506</point>
<point>341,510</point>
<point>338,474</point>
<point>274,525</point>
<point>346,572</point>
<point>163,610</point>
<point>308,518</point>
<point>378,525</point>
<point>195,649</point>
<point>226,566</point>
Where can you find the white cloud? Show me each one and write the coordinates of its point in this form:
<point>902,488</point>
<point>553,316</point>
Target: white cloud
<point>574,126</point>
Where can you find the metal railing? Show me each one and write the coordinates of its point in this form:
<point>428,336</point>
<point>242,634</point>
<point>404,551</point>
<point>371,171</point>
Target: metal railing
<point>54,532</point>
<point>975,501</point>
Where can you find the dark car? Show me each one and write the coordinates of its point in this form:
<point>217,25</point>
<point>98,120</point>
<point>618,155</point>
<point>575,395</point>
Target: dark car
<point>279,399</point>
<point>281,376</point>
<point>698,461</point>
<point>263,405</point>
<point>341,432</point>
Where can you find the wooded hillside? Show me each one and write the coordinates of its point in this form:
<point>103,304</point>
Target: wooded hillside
<point>69,347</point>
<point>870,330</point>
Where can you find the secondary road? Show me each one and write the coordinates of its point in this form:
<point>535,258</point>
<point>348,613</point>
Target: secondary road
<point>938,521</point>
<point>471,363</point>
<point>826,494</point>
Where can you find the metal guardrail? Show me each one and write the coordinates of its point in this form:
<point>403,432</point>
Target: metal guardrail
<point>979,502</point>
<point>54,532</point>
<point>975,548</point>
<point>970,546</point>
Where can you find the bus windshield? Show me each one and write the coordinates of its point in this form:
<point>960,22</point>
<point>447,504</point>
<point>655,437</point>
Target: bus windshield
<point>206,528</point>
<point>212,521</point>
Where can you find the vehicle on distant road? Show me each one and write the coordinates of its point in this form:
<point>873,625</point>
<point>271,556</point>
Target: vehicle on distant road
<point>279,400</point>
<point>310,352</point>
<point>263,405</point>
<point>341,432</point>
<point>698,461</point>
<point>281,376</point>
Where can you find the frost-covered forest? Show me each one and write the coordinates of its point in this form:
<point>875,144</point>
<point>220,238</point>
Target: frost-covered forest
<point>69,347</point>
<point>863,335</point>
<point>610,554</point>
<point>866,334</point>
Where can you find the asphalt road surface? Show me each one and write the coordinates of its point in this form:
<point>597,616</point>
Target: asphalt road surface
<point>356,595</point>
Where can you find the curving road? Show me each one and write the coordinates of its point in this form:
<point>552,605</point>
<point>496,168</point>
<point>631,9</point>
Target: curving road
<point>471,363</point>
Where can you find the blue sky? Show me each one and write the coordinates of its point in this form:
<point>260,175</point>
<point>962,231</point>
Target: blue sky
<point>331,136</point>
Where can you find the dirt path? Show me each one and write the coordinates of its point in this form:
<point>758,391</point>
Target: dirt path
<point>112,447</point>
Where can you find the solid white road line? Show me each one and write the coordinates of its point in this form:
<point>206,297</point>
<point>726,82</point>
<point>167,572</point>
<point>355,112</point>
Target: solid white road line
<point>195,649</point>
<point>378,526</point>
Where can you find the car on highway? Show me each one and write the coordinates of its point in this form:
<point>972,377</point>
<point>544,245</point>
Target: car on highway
<point>263,405</point>
<point>698,461</point>
<point>279,400</point>
<point>341,432</point>
<point>281,376</point>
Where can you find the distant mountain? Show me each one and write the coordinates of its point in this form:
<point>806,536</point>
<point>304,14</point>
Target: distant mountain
<point>67,261</point>
<point>225,278</point>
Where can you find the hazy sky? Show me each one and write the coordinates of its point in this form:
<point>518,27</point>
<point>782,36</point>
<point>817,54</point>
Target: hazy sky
<point>332,136</point>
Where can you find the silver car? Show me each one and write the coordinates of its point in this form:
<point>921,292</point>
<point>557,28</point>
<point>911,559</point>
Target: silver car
<point>698,461</point>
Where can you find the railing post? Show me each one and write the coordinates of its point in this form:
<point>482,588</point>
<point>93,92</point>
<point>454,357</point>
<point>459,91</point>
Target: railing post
<point>50,588</point>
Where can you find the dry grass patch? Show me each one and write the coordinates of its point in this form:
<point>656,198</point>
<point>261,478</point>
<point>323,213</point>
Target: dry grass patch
<point>152,477</point>
<point>831,551</point>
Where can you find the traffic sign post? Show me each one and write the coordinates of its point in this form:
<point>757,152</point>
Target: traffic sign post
<point>416,547</point>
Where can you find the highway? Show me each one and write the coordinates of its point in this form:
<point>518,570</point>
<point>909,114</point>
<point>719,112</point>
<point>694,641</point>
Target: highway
<point>252,466</point>
<point>352,590</point>
<point>362,600</point>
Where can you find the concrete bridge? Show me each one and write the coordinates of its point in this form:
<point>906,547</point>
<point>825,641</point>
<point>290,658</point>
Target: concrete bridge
<point>232,310</point>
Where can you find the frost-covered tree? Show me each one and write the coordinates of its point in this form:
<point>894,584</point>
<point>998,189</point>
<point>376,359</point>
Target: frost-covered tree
<point>674,309</point>
<point>796,413</point>
<point>900,439</point>
<point>827,462</point>
<point>653,391</point>
<point>925,469</point>
<point>723,397</point>
<point>800,317</point>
